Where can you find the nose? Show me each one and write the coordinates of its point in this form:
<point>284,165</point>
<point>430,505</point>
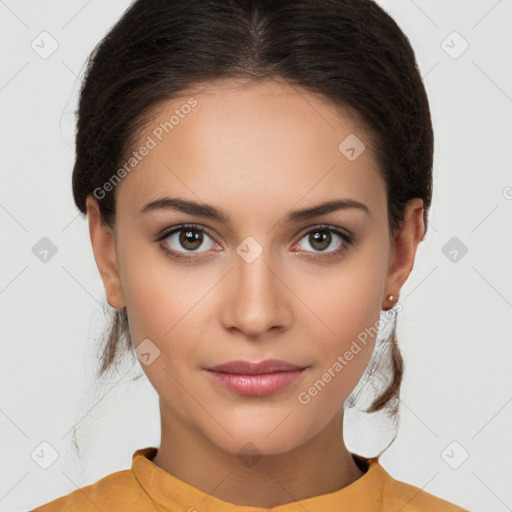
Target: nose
<point>257,298</point>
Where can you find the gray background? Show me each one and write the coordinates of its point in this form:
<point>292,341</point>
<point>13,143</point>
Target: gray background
<point>455,329</point>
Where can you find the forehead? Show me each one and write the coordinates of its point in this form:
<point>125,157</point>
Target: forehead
<point>267,141</point>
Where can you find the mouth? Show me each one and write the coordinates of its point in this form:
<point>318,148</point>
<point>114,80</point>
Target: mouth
<point>256,379</point>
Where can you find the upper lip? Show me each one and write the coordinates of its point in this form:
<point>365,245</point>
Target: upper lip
<point>250,368</point>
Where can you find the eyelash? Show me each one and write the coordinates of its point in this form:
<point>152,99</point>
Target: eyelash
<point>346,238</point>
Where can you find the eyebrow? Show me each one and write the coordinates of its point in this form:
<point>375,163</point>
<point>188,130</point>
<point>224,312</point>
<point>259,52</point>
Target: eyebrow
<point>206,210</point>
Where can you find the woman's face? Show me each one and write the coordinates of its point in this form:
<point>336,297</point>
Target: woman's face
<point>258,284</point>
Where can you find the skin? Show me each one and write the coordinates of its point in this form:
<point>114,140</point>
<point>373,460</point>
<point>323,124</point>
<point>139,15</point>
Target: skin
<point>256,151</point>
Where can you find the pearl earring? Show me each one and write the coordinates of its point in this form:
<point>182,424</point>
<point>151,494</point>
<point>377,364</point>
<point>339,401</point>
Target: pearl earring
<point>393,299</point>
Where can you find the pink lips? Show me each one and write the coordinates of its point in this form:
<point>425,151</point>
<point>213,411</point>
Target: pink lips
<point>256,379</point>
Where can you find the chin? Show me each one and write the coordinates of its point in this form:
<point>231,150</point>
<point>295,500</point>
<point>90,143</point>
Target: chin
<point>258,438</point>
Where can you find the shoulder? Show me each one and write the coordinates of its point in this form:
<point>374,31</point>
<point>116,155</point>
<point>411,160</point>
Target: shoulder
<point>118,491</point>
<point>398,495</point>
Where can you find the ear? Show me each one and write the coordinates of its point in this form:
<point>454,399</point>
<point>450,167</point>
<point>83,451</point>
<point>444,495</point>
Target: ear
<point>103,246</point>
<point>403,251</point>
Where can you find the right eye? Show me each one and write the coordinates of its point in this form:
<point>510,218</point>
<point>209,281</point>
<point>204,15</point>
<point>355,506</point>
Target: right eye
<point>189,237</point>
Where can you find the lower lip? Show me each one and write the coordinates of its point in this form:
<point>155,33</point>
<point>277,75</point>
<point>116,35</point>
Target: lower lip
<point>256,385</point>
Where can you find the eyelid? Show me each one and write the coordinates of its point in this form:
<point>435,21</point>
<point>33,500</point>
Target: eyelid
<point>167,232</point>
<point>329,227</point>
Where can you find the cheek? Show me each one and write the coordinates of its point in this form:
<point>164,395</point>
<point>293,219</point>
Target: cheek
<point>342,351</point>
<point>348,299</point>
<point>345,322</point>
<point>165,302</point>
<point>148,291</point>
<point>161,304</point>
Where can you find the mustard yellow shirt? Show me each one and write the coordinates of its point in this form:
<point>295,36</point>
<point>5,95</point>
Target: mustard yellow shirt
<point>147,488</point>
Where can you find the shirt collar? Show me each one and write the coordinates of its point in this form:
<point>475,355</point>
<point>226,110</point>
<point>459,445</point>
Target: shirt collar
<point>173,493</point>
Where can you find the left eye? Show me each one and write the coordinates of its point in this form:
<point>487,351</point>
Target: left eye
<point>321,238</point>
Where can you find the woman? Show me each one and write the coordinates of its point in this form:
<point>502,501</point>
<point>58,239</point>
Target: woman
<point>257,176</point>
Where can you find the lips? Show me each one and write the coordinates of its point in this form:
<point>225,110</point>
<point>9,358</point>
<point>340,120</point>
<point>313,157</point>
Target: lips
<point>242,367</point>
<point>256,379</point>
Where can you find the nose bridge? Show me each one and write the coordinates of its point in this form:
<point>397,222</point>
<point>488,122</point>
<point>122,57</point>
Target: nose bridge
<point>257,299</point>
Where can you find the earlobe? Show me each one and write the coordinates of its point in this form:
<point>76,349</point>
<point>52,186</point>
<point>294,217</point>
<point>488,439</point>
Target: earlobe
<point>103,245</point>
<point>404,245</point>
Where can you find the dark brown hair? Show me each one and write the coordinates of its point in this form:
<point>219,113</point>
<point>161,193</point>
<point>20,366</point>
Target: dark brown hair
<point>350,51</point>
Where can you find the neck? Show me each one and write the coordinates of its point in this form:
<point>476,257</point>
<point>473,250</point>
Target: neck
<point>320,466</point>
